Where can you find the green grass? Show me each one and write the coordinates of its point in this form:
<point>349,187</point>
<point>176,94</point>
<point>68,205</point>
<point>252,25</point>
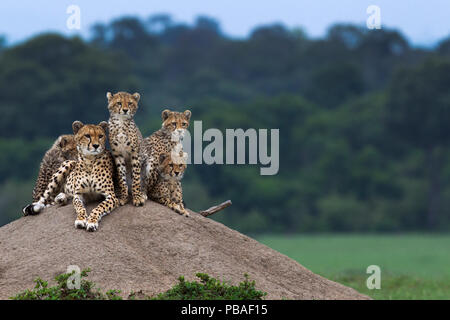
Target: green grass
<point>413,266</point>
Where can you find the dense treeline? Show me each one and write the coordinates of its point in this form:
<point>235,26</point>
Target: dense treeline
<point>363,116</point>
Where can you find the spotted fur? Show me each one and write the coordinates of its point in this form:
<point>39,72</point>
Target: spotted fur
<point>126,145</point>
<point>64,148</point>
<point>164,141</point>
<point>89,177</point>
<point>167,189</point>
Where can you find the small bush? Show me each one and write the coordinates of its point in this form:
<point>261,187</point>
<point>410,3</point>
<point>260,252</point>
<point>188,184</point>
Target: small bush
<point>207,289</point>
<point>60,291</point>
<point>211,289</point>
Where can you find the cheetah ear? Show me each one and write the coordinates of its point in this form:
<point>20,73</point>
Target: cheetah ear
<point>109,96</point>
<point>62,142</point>
<point>136,96</point>
<point>104,125</point>
<point>76,126</point>
<point>165,114</point>
<point>187,114</point>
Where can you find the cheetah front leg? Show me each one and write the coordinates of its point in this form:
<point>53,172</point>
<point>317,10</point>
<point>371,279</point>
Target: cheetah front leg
<point>164,201</point>
<point>174,205</point>
<point>105,207</point>
<point>121,178</point>
<point>138,197</point>
<point>151,176</point>
<point>178,208</point>
<point>176,202</point>
<point>78,204</point>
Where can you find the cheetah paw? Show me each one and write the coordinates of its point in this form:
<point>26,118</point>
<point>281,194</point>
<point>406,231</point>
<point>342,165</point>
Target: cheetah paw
<point>138,200</point>
<point>123,201</point>
<point>92,226</point>
<point>80,224</point>
<point>61,199</point>
<point>185,213</point>
<point>178,209</point>
<point>33,209</point>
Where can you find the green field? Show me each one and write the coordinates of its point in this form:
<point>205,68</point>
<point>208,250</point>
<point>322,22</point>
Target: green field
<point>412,266</point>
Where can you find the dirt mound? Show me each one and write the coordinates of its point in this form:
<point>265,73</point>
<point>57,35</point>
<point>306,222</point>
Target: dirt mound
<point>147,249</point>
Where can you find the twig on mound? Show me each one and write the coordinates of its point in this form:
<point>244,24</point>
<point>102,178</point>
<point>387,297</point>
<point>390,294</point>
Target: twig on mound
<point>215,209</point>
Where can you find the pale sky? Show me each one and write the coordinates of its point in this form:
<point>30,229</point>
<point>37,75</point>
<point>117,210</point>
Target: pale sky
<point>423,22</point>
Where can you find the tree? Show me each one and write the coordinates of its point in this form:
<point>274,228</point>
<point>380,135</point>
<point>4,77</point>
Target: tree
<point>159,22</point>
<point>129,35</point>
<point>48,82</point>
<point>351,36</point>
<point>99,34</point>
<point>419,112</point>
<point>2,42</point>
<point>444,47</point>
<point>340,81</point>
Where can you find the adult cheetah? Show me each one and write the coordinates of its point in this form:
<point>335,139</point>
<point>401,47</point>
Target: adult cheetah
<point>91,176</point>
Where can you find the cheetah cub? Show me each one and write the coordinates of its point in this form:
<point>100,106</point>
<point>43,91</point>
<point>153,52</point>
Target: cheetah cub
<point>88,178</point>
<point>167,189</point>
<point>126,145</point>
<point>165,140</point>
<point>64,148</point>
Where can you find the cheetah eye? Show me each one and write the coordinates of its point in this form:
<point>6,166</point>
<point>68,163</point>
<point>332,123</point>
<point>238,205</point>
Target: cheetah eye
<point>184,124</point>
<point>130,104</point>
<point>100,136</point>
<point>119,104</point>
<point>87,136</point>
<point>174,124</point>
